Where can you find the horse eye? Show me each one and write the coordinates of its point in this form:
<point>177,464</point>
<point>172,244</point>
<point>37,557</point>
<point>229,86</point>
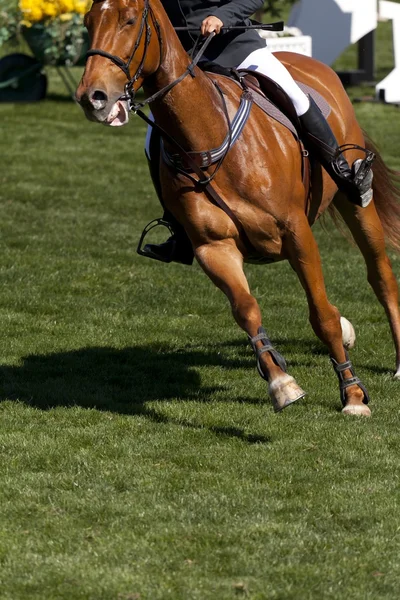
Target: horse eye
<point>131,21</point>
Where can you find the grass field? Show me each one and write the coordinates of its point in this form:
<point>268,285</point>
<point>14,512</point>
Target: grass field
<point>140,457</point>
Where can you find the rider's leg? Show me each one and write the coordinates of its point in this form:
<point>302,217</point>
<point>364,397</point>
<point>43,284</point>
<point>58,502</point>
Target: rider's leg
<point>317,130</point>
<point>177,248</point>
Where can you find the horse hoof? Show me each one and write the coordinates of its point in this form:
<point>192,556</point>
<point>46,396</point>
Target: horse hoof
<point>348,333</point>
<point>397,374</point>
<point>359,410</point>
<point>284,391</point>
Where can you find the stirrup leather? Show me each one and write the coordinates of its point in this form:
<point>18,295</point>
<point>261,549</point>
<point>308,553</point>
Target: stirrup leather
<point>345,383</point>
<point>154,223</point>
<point>267,347</point>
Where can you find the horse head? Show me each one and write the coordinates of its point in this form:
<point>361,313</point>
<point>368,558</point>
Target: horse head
<point>125,49</point>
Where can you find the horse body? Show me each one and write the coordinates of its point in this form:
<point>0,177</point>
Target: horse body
<point>260,180</point>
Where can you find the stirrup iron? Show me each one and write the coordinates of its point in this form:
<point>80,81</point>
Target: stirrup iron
<point>155,223</point>
<point>360,174</point>
<point>365,163</point>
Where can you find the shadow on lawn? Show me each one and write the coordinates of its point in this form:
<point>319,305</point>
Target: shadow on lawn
<point>121,381</point>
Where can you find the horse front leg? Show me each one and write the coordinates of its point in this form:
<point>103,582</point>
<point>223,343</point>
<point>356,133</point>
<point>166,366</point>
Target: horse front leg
<point>324,317</point>
<point>223,263</point>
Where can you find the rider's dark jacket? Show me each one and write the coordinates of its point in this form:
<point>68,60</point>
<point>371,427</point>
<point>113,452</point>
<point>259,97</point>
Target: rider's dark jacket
<point>227,49</point>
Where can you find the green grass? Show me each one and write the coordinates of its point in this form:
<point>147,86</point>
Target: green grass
<point>140,457</point>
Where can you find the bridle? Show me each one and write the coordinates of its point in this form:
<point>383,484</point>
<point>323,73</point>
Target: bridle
<point>125,67</point>
<point>129,92</point>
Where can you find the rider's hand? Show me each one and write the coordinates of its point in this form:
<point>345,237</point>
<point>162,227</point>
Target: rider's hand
<point>211,24</point>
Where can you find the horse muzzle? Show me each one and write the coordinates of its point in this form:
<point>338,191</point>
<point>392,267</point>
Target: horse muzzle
<point>98,107</point>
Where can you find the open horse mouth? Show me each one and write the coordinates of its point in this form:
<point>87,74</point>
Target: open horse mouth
<point>118,115</point>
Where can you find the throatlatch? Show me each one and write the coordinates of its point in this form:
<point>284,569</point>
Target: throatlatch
<point>266,347</point>
<point>345,383</point>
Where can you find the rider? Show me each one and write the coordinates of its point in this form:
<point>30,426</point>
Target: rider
<point>245,49</point>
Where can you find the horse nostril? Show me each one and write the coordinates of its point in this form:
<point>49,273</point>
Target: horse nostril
<point>98,99</point>
<point>99,95</point>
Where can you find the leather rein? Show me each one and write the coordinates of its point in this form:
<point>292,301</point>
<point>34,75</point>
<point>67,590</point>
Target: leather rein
<point>129,96</point>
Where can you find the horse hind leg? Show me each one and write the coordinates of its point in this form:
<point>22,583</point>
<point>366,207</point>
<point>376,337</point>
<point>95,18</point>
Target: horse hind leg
<point>367,231</point>
<point>223,263</point>
<point>324,317</point>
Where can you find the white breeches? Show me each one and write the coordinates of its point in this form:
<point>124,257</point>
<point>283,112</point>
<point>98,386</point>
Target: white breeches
<point>263,61</point>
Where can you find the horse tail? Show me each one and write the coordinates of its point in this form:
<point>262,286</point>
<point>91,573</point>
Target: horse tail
<point>386,188</point>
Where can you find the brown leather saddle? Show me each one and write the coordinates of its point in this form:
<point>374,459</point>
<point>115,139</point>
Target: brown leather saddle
<point>271,98</point>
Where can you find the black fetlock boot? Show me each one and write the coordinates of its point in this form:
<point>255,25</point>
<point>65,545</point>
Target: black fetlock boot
<point>355,181</point>
<point>177,248</point>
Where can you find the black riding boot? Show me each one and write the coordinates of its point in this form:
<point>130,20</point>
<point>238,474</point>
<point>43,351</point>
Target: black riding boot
<point>355,181</point>
<point>177,248</point>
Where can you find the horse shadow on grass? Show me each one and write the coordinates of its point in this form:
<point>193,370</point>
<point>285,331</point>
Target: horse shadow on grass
<point>124,381</point>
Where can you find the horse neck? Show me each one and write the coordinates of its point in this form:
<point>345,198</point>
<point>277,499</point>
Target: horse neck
<point>191,111</point>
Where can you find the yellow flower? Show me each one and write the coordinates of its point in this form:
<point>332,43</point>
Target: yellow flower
<point>31,10</point>
<point>50,9</point>
<point>66,6</point>
<point>82,6</point>
<point>39,10</point>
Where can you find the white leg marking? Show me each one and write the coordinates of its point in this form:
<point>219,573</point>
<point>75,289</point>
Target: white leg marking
<point>284,391</point>
<point>348,333</point>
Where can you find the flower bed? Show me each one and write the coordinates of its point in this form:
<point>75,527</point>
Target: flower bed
<point>53,29</point>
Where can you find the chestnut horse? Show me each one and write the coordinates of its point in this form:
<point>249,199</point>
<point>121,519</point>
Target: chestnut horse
<point>260,180</point>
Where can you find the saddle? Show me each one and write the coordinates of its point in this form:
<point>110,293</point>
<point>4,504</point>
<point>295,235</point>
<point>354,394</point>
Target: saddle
<point>269,96</point>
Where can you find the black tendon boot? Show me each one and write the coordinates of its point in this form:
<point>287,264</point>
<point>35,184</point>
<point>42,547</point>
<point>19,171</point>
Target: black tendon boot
<point>355,181</point>
<point>177,248</point>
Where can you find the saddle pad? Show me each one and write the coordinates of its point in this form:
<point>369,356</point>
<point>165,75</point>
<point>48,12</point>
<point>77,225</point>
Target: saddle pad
<point>274,112</point>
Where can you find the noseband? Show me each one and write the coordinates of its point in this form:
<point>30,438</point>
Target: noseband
<point>125,66</point>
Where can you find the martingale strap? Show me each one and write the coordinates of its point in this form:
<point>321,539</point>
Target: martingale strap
<point>266,347</point>
<point>345,383</point>
<point>209,157</point>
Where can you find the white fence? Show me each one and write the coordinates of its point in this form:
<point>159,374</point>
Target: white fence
<point>299,43</point>
<point>335,24</point>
